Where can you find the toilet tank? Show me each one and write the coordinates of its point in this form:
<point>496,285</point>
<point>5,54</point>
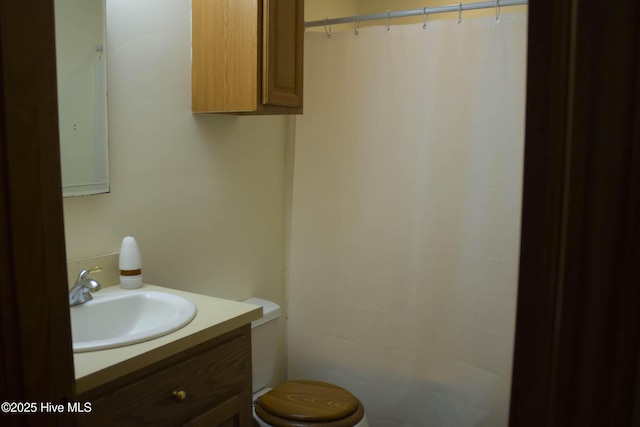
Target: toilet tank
<point>264,342</point>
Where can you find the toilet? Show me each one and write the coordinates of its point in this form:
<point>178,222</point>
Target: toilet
<point>295,403</point>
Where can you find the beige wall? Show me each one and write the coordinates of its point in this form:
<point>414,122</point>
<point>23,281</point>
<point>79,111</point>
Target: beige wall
<point>320,9</point>
<point>202,194</point>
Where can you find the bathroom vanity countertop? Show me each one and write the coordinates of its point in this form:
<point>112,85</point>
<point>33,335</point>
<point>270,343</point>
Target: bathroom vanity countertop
<point>214,317</point>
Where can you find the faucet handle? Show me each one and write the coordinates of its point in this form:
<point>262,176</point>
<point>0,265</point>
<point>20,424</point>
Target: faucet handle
<point>83,273</point>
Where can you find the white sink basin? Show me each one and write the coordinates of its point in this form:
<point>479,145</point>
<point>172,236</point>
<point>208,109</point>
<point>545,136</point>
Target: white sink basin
<point>114,319</point>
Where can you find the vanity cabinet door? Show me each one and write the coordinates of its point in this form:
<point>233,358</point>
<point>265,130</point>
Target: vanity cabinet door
<point>211,387</point>
<point>227,414</point>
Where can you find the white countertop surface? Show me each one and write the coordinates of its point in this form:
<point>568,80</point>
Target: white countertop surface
<point>214,317</point>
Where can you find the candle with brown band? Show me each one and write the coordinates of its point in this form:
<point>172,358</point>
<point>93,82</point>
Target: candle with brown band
<point>130,264</point>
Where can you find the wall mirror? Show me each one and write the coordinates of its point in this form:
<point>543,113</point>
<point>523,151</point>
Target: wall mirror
<point>82,96</point>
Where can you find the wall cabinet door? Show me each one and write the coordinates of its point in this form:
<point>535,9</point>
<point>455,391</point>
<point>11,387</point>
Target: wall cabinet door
<point>283,53</point>
<point>247,56</point>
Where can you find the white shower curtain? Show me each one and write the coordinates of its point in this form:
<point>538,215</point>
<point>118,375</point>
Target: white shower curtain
<point>405,219</point>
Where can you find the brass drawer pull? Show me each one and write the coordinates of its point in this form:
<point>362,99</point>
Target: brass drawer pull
<point>179,395</point>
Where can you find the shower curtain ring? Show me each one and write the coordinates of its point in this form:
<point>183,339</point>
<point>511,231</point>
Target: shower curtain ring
<point>388,20</point>
<point>460,12</point>
<point>497,10</point>
<point>356,25</point>
<point>325,28</point>
<point>424,18</point>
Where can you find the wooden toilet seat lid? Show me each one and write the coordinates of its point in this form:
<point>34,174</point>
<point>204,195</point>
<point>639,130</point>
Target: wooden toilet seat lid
<point>309,402</point>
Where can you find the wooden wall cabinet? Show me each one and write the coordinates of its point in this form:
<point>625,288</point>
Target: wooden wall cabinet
<point>247,56</point>
<point>215,378</point>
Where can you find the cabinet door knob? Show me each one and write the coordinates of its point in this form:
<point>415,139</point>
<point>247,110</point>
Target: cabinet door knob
<point>179,395</point>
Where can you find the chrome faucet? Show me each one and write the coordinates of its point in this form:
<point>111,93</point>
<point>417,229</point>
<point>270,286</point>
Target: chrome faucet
<point>81,290</point>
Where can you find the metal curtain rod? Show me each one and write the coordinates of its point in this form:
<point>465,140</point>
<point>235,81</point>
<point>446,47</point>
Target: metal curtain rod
<point>416,12</point>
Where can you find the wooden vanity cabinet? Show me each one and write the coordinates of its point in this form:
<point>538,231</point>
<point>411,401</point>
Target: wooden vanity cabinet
<point>247,56</point>
<point>207,385</point>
